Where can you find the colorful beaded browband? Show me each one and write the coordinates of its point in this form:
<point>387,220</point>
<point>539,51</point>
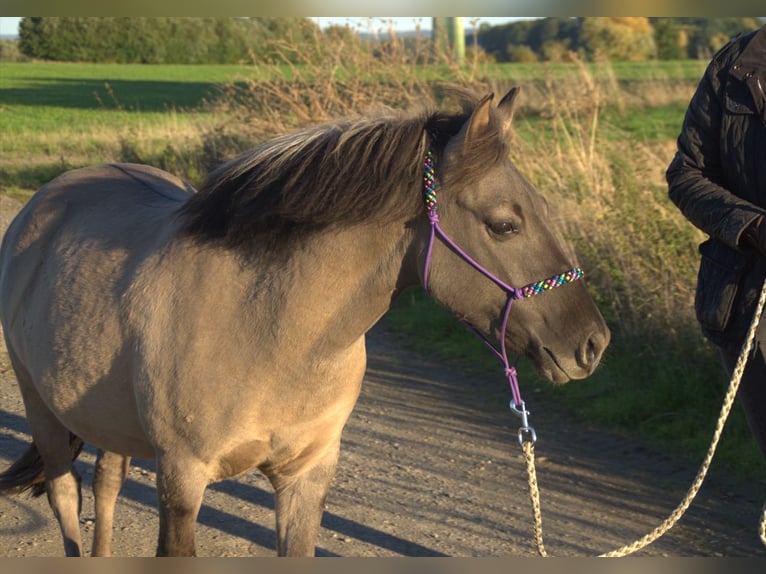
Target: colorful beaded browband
<point>429,182</point>
<point>552,282</point>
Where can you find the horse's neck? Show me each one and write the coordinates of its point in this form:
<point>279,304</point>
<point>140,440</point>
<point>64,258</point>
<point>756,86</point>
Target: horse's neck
<point>345,280</point>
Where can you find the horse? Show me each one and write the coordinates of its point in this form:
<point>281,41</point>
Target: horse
<point>223,330</point>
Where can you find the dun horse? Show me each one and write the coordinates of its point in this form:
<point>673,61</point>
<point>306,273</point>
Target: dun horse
<point>222,331</point>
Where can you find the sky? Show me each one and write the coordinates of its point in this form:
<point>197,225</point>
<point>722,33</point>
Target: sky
<point>10,25</point>
<point>403,23</point>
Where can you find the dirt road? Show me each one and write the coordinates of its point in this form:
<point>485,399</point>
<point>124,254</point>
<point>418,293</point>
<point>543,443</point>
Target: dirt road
<point>429,467</point>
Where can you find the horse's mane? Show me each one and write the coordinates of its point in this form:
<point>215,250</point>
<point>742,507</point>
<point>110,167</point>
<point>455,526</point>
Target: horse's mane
<point>341,173</point>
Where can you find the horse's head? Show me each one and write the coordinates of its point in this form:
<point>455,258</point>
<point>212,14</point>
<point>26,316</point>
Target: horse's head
<point>488,209</point>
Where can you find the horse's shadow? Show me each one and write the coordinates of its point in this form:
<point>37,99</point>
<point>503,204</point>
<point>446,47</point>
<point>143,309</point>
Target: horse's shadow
<point>212,517</point>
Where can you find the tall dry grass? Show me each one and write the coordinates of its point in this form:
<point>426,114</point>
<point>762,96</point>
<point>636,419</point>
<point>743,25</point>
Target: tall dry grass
<point>339,77</point>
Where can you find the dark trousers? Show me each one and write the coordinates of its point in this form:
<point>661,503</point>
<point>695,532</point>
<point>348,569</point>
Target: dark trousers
<point>752,390</point>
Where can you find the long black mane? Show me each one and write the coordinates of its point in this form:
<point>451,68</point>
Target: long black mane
<point>338,173</point>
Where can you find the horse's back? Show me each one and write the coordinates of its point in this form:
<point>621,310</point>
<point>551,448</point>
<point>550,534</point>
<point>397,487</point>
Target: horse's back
<point>130,191</point>
<point>102,211</point>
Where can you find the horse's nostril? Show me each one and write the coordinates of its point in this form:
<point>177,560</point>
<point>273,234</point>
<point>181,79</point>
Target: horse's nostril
<point>590,352</point>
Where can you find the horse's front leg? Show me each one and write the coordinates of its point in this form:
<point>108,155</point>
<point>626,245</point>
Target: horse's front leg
<point>299,504</point>
<point>181,484</point>
<point>111,470</point>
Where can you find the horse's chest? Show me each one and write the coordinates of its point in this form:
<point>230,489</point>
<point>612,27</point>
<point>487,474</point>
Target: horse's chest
<point>287,431</point>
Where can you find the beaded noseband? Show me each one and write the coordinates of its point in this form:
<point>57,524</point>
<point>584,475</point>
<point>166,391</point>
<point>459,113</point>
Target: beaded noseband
<point>526,433</point>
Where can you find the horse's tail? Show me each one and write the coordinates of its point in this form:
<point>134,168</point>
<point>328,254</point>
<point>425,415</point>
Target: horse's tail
<point>27,473</point>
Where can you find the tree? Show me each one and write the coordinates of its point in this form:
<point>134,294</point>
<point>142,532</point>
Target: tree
<point>521,54</point>
<point>618,38</point>
<point>33,34</point>
<point>495,40</point>
<point>707,35</point>
<point>670,39</point>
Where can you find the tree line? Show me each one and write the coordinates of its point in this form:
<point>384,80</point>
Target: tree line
<point>612,38</point>
<point>157,40</point>
<point>234,40</point>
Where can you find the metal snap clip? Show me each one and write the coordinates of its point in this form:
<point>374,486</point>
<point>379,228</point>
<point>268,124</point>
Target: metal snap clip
<point>526,432</point>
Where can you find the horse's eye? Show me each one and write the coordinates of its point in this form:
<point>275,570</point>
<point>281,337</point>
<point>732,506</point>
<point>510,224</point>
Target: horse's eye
<point>503,228</point>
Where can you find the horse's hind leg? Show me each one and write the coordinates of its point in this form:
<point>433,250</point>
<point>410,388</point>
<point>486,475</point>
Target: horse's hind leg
<point>62,484</point>
<point>111,470</point>
<point>299,504</point>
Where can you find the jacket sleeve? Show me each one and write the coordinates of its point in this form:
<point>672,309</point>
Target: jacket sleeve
<point>694,176</point>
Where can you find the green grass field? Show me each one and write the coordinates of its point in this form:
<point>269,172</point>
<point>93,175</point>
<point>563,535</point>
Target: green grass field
<point>601,161</point>
<point>57,115</point>
<point>133,86</point>
<point>47,104</point>
<point>54,116</point>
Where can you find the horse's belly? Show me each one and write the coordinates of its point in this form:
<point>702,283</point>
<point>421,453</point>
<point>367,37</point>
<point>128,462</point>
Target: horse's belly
<point>103,414</point>
<point>83,373</point>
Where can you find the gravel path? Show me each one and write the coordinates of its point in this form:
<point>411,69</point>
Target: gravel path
<point>429,467</point>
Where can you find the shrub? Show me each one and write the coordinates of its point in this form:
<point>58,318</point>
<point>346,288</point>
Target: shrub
<point>9,51</point>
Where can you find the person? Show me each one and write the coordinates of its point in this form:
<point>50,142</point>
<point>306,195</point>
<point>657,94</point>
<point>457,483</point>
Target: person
<point>717,179</point>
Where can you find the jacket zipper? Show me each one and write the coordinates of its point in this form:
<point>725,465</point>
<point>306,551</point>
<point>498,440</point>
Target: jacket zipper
<point>763,101</point>
<point>760,88</point>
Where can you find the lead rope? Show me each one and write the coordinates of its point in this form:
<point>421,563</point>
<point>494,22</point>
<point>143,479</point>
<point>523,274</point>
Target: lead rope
<point>762,530</point>
<point>534,492</point>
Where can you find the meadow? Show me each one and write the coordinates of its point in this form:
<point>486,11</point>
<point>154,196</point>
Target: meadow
<point>594,138</point>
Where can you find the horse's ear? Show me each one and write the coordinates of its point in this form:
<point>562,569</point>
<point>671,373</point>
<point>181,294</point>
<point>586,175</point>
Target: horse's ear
<point>479,124</point>
<point>507,106</point>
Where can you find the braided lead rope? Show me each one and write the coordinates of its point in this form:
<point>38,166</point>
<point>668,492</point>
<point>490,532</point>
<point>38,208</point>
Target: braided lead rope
<point>675,516</point>
<point>534,494</point>
<point>762,529</point>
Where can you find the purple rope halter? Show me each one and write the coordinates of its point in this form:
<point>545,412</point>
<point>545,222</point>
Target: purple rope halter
<point>526,433</point>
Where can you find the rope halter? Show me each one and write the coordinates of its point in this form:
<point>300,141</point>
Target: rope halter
<point>526,433</point>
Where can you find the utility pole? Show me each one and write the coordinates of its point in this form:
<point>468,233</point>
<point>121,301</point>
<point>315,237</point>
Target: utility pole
<point>449,36</point>
<point>456,36</point>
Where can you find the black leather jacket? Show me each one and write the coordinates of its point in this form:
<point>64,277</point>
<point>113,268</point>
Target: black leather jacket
<point>718,181</point>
